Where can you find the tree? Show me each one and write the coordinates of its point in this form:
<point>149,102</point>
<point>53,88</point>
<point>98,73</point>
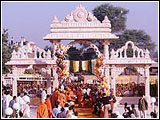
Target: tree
<point>7,48</point>
<point>6,51</point>
<point>140,38</point>
<point>116,15</point>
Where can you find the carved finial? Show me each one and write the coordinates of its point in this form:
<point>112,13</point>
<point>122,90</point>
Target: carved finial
<point>147,53</point>
<point>55,20</point>
<point>14,54</point>
<point>69,18</point>
<point>105,20</point>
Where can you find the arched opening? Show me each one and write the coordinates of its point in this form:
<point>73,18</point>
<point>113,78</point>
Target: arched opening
<point>130,83</point>
<point>129,51</point>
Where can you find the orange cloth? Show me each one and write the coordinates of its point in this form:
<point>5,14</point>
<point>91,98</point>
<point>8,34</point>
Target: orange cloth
<point>48,103</point>
<point>42,111</point>
<point>80,97</point>
<point>61,99</point>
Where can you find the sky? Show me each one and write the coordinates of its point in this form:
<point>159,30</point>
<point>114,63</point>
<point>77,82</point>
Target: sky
<point>32,19</point>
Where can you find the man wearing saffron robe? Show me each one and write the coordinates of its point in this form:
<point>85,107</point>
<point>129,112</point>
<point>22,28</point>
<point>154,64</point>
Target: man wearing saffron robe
<point>48,103</point>
<point>42,111</point>
<point>54,98</point>
<point>80,97</point>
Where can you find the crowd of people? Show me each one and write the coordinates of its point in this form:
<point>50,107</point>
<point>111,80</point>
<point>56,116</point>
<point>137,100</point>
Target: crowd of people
<point>64,100</point>
<point>130,89</point>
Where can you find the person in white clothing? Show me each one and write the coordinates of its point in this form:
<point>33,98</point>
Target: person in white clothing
<point>88,91</point>
<point>20,101</point>
<point>3,102</point>
<point>26,97</point>
<point>8,98</point>
<point>43,94</point>
<point>26,108</point>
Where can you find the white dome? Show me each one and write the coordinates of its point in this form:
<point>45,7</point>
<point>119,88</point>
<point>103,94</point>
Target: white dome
<point>120,116</point>
<point>117,113</point>
<point>9,111</point>
<point>16,106</point>
<point>153,99</point>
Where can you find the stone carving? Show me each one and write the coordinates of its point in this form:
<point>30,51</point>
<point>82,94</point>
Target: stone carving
<point>14,54</point>
<point>55,20</point>
<point>48,54</point>
<point>122,52</point>
<point>80,14</point>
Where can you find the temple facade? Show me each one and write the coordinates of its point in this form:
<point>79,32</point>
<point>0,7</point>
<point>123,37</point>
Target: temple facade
<point>82,27</point>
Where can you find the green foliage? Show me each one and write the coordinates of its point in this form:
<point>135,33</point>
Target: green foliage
<point>29,71</point>
<point>6,51</point>
<point>116,15</point>
<point>140,38</point>
<point>7,48</point>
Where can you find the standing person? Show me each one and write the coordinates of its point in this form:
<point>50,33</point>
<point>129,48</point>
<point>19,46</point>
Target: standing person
<point>43,94</point>
<point>8,98</point>
<point>62,114</point>
<point>142,106</point>
<point>3,102</point>
<point>134,110</point>
<point>112,96</point>
<point>42,111</point>
<point>26,108</point>
<point>20,101</point>
<point>11,103</point>
<point>49,106</point>
<point>26,97</point>
<point>56,110</point>
<point>105,100</point>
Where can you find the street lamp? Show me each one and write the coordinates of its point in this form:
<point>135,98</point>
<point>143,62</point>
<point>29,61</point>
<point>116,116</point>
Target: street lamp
<point>153,100</point>
<point>8,112</point>
<point>16,108</point>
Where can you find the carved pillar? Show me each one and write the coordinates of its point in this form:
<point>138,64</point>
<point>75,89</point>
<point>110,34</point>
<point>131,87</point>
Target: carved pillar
<point>107,75</point>
<point>14,82</point>
<point>54,43</point>
<point>106,50</point>
<point>113,74</point>
<point>147,84</point>
<point>48,72</point>
<point>125,53</point>
<point>55,80</point>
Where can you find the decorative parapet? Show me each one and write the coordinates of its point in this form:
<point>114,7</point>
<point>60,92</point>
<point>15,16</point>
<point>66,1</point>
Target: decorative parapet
<point>139,56</point>
<point>80,24</point>
<point>30,51</point>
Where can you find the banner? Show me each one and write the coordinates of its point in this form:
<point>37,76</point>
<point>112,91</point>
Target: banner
<point>122,79</point>
<point>93,66</point>
<point>75,66</point>
<point>85,65</point>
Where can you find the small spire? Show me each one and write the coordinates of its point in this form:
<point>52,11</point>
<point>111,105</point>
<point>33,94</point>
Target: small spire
<point>105,20</point>
<point>55,20</point>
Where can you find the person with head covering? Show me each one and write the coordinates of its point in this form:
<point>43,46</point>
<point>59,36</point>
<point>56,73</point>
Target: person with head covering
<point>42,110</point>
<point>49,106</point>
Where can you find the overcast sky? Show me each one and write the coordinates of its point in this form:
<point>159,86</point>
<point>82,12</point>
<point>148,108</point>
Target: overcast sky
<point>32,19</point>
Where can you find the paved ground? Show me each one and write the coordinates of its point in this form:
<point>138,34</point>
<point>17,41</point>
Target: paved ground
<point>87,112</point>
